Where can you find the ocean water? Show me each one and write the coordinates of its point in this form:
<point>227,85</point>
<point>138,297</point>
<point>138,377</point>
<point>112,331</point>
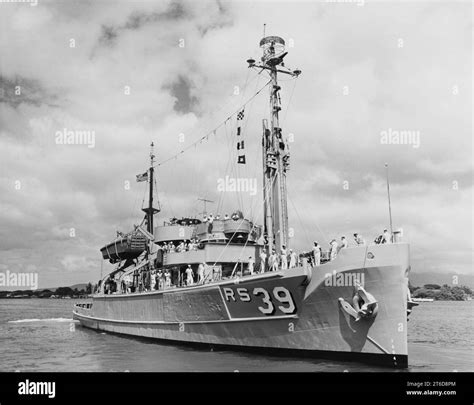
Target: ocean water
<point>40,335</point>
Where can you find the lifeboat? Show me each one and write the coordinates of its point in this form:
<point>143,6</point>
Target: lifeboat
<point>125,247</point>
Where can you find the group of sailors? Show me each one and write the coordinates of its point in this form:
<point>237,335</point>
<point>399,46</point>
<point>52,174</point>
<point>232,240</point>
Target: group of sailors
<point>147,279</point>
<point>290,259</point>
<point>143,280</point>
<point>201,276</point>
<point>286,259</point>
<point>184,246</point>
<point>335,247</point>
<point>210,218</point>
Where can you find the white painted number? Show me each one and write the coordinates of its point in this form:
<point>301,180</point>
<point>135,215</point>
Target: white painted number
<point>284,296</point>
<point>266,300</point>
<point>280,294</point>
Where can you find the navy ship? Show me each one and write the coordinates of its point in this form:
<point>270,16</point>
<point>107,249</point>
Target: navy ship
<point>229,282</point>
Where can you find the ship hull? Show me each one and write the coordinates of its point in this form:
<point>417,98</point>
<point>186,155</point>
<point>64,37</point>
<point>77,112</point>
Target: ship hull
<point>295,311</point>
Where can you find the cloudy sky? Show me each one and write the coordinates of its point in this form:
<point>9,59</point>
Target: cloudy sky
<point>170,71</point>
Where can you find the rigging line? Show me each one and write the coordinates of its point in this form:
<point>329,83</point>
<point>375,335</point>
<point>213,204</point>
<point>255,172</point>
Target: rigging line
<point>253,226</point>
<point>289,100</point>
<point>315,223</point>
<point>308,239</point>
<point>211,131</point>
<point>158,205</point>
<point>219,162</point>
<point>253,223</point>
<point>137,193</point>
<point>230,151</point>
<point>257,163</point>
<point>244,170</point>
<point>165,202</point>
<point>244,126</point>
<point>223,106</point>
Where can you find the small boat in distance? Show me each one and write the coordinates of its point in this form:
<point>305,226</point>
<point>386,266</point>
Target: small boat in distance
<point>229,282</point>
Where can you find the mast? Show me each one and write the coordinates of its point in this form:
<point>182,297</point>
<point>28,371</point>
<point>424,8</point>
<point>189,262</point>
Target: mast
<point>150,211</point>
<point>267,207</point>
<point>275,149</point>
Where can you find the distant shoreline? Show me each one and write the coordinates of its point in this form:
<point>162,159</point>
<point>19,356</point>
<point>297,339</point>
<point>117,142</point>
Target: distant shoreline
<point>427,292</point>
<point>56,293</point>
<point>435,292</point>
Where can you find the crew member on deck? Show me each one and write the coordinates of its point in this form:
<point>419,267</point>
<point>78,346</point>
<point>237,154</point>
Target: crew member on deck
<point>293,259</point>
<point>159,280</point>
<point>251,265</point>
<point>343,244</point>
<point>263,260</point>
<point>359,240</point>
<point>210,220</point>
<point>386,237</point>
<point>316,254</point>
<point>201,273</point>
<point>189,275</point>
<point>167,278</point>
<point>273,261</point>
<point>333,249</point>
<point>284,258</point>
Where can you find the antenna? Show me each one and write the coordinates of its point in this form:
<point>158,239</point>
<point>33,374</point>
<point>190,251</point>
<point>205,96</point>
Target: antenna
<point>389,204</point>
<point>264,26</point>
<point>205,201</point>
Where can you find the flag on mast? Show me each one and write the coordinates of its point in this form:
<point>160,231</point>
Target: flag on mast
<point>240,144</point>
<point>142,177</point>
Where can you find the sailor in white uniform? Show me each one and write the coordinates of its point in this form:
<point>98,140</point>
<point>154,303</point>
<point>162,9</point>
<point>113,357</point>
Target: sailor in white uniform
<point>343,243</point>
<point>251,265</point>
<point>210,221</point>
<point>159,279</point>
<point>167,278</point>
<point>333,250</point>
<point>316,254</point>
<point>201,273</point>
<point>293,259</point>
<point>284,258</point>
<point>386,237</point>
<point>359,239</point>
<point>273,261</point>
<point>189,275</point>
<point>263,260</point>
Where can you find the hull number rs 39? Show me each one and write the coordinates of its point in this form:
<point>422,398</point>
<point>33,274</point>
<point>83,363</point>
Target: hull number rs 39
<point>279,298</point>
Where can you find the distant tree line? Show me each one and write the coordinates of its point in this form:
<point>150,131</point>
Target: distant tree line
<point>60,292</point>
<point>441,293</point>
